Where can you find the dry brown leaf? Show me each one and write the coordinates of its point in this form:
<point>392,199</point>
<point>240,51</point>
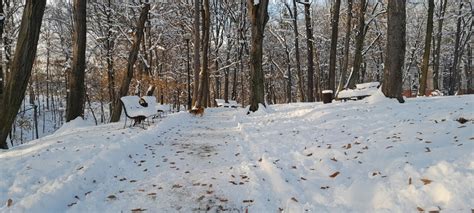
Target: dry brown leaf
<point>409,181</point>
<point>348,146</point>
<point>138,210</point>
<point>334,174</point>
<point>426,181</point>
<point>420,209</point>
<point>9,202</point>
<point>294,199</point>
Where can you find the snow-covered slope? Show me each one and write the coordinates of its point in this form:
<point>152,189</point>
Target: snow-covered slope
<point>373,155</point>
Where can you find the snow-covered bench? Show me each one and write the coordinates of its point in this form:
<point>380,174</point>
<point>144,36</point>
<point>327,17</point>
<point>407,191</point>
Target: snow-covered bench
<point>138,109</point>
<point>361,91</point>
<point>231,104</point>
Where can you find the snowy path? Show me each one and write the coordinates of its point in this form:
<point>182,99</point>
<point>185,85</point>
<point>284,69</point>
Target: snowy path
<point>278,160</point>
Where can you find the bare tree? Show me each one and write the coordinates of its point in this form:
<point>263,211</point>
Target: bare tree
<point>258,14</point>
<point>132,58</point>
<point>354,76</point>
<point>76,97</point>
<point>197,42</point>
<point>347,39</point>
<point>294,18</point>
<point>426,54</point>
<point>332,55</point>
<point>439,35</point>
<point>25,53</point>
<point>2,21</point>
<point>203,90</point>
<point>395,49</point>
<point>310,50</point>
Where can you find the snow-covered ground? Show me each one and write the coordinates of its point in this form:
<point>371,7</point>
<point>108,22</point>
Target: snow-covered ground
<point>373,155</point>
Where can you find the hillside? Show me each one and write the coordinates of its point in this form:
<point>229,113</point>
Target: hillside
<point>373,155</point>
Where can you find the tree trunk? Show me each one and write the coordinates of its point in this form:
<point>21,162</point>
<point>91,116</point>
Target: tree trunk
<point>309,46</point>
<point>203,90</point>
<point>132,58</point>
<point>332,55</point>
<point>110,61</point>
<point>347,40</point>
<point>360,36</point>
<point>2,77</point>
<point>226,73</point>
<point>426,54</point>
<point>258,14</point>
<point>454,81</point>
<point>395,50</point>
<point>25,53</point>
<point>289,86</point>
<point>197,43</point>
<point>297,52</point>
<point>76,98</point>
<point>468,70</point>
<point>439,35</point>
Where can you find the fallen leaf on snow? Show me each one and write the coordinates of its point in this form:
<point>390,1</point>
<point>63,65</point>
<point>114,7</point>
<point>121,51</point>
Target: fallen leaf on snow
<point>420,209</point>
<point>294,199</point>
<point>426,181</point>
<point>9,202</point>
<point>138,210</point>
<point>334,174</point>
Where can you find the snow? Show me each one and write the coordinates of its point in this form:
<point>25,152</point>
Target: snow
<point>134,108</point>
<point>72,126</point>
<point>326,91</point>
<point>222,103</point>
<point>373,155</point>
<point>361,90</point>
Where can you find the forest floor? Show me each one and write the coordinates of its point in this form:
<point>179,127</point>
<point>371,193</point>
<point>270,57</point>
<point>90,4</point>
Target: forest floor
<point>373,155</point>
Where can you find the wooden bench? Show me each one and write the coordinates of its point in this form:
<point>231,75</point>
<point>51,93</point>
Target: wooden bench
<point>361,91</point>
<point>138,109</point>
<point>231,104</point>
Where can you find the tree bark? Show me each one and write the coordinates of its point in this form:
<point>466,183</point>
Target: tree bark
<point>395,50</point>
<point>132,58</point>
<point>332,55</point>
<point>110,61</point>
<point>347,40</point>
<point>2,78</point>
<point>360,36</point>
<point>297,51</point>
<point>203,89</point>
<point>310,50</point>
<point>258,14</point>
<point>468,70</point>
<point>197,43</point>
<point>76,97</point>
<point>226,73</point>
<point>439,35</point>
<point>24,57</point>
<point>426,54</point>
<point>454,81</point>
